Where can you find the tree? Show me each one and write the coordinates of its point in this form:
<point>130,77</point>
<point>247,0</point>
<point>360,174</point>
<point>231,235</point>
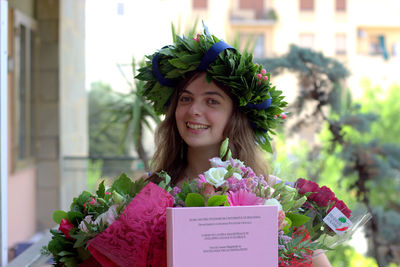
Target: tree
<point>370,164</point>
<point>103,142</point>
<point>135,114</point>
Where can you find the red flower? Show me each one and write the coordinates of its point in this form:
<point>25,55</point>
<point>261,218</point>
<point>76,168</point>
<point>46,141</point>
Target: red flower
<point>65,227</point>
<point>342,207</point>
<point>305,186</point>
<point>323,197</point>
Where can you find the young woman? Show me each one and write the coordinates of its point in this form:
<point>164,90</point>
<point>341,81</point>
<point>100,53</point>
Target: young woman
<point>209,91</point>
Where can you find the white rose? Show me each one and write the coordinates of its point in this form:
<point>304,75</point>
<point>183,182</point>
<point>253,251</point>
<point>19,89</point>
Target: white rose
<point>107,217</point>
<point>217,162</point>
<point>215,176</point>
<point>237,176</point>
<point>273,202</point>
<point>82,225</point>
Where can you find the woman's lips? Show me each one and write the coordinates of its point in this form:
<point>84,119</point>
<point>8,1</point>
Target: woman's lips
<point>196,126</point>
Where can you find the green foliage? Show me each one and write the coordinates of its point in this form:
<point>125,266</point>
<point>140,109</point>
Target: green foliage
<point>195,200</point>
<point>346,256</point>
<point>103,141</point>
<point>73,250</point>
<point>358,151</point>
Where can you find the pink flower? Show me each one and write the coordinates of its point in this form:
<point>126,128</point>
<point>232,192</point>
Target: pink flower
<point>108,193</point>
<point>93,201</point>
<point>265,78</point>
<point>243,198</point>
<point>281,220</point>
<point>65,227</point>
<point>197,38</point>
<point>201,180</point>
<point>209,189</point>
<point>259,76</point>
<point>263,71</point>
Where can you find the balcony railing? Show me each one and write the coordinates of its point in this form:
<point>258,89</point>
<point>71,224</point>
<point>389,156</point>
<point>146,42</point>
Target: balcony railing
<point>32,256</point>
<point>253,17</point>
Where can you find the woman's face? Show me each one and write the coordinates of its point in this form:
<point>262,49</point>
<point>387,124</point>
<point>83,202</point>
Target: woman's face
<point>202,113</point>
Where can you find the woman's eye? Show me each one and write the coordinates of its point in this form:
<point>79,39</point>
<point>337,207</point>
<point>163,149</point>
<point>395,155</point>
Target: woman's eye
<point>212,102</point>
<point>184,99</point>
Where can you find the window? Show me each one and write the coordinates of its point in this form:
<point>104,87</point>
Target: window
<point>251,4</point>
<point>23,42</point>
<point>306,5</point>
<point>340,5</point>
<point>199,4</point>
<point>340,44</point>
<point>306,40</point>
<point>120,9</point>
<point>256,5</point>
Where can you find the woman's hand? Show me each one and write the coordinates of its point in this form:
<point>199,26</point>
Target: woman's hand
<point>320,260</point>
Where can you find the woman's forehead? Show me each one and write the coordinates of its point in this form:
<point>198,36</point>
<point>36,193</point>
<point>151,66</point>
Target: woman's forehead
<point>200,86</point>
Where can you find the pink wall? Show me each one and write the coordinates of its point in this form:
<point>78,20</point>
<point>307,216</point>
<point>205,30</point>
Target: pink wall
<point>21,205</point>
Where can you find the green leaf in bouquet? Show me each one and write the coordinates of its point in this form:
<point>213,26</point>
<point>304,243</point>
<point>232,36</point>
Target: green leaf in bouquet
<point>217,200</point>
<point>75,217</point>
<point>286,228</point>
<point>56,232</point>
<point>101,191</point>
<point>83,253</point>
<point>117,198</point>
<point>224,148</point>
<point>58,215</point>
<point>165,176</point>
<point>122,185</point>
<point>287,205</point>
<point>81,239</point>
<point>137,186</point>
<point>297,219</point>
<point>195,200</point>
<point>69,261</point>
<point>65,253</point>
<point>299,203</point>
<point>228,155</point>
<point>78,202</point>
<point>166,179</point>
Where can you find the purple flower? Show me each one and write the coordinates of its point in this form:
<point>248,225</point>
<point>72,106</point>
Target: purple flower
<point>176,190</point>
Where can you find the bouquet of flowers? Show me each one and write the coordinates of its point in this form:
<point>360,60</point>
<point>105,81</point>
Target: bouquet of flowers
<point>309,216</point>
<point>125,225</point>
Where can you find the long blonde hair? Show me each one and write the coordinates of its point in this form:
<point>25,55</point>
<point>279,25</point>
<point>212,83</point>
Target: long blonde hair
<point>171,150</point>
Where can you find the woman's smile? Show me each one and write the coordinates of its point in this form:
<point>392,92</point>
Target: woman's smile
<point>196,126</point>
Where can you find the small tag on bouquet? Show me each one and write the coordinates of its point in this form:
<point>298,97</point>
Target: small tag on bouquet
<point>337,221</point>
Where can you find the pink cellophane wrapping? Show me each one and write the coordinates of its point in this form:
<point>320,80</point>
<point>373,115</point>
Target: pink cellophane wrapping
<point>137,238</point>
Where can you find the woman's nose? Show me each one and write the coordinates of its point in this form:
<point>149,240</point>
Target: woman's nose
<point>195,108</point>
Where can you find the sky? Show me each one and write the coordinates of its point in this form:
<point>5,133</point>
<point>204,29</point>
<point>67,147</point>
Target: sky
<point>116,30</point>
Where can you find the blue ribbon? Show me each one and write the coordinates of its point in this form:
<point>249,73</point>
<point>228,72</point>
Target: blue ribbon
<point>157,73</point>
<point>212,54</point>
<point>209,57</point>
<point>264,105</point>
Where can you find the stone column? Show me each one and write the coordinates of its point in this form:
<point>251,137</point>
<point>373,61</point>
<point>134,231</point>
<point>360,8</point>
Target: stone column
<point>46,110</point>
<point>74,143</point>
